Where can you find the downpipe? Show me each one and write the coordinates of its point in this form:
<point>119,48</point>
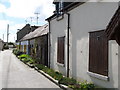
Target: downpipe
<point>68,31</point>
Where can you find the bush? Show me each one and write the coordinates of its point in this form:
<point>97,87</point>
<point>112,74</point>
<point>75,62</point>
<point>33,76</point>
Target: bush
<point>58,76</point>
<point>87,85</point>
<point>17,52</point>
<point>75,87</point>
<point>49,71</point>
<point>26,58</point>
<point>70,82</point>
<point>83,86</point>
<point>39,66</point>
<point>31,61</point>
<point>45,69</point>
<point>67,81</point>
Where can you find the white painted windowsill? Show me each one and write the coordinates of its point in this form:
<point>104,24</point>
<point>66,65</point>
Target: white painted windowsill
<point>106,78</point>
<point>63,65</point>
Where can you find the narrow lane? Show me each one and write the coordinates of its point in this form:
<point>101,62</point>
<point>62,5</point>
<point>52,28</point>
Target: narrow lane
<point>15,74</point>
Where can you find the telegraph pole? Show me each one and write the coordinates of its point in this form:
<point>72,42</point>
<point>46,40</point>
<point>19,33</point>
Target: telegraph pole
<point>37,16</point>
<point>7,33</point>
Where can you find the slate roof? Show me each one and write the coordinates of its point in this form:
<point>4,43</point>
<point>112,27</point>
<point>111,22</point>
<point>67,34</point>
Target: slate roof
<point>42,30</point>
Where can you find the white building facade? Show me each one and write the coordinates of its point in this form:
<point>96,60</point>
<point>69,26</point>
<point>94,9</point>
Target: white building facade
<point>75,30</point>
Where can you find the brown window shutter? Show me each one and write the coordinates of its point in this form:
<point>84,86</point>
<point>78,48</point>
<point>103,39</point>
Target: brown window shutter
<point>60,50</point>
<point>98,53</point>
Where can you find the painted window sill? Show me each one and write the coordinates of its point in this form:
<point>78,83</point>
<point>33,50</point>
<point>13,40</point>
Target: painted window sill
<point>63,65</point>
<point>98,76</point>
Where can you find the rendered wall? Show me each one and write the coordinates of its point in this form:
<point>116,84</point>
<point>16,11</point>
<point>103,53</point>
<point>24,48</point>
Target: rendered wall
<point>83,19</point>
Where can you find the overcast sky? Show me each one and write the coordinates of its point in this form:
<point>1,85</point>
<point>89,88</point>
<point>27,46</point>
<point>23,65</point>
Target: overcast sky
<point>16,12</point>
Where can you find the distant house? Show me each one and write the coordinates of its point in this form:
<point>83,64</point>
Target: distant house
<point>37,44</point>
<point>1,44</point>
<point>78,44</point>
<point>22,32</point>
<point>25,30</point>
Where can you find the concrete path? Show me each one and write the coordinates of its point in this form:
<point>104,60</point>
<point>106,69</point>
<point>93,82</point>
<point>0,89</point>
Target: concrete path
<point>15,74</point>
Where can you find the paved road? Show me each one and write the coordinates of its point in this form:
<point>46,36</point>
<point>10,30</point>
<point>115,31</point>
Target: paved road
<point>15,74</point>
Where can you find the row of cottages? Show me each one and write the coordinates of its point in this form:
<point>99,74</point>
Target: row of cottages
<point>22,32</point>
<point>36,44</point>
<point>79,46</point>
<point>1,44</point>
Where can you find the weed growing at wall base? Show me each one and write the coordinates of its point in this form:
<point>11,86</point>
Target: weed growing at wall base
<point>70,82</point>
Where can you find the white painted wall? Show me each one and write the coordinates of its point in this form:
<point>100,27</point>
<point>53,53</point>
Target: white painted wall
<point>90,17</point>
<point>83,19</point>
<point>58,29</point>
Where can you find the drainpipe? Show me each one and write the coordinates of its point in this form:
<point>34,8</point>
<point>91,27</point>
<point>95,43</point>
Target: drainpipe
<point>68,30</point>
<point>49,45</point>
<point>19,45</point>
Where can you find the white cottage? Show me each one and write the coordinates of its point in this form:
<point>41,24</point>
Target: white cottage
<point>78,46</point>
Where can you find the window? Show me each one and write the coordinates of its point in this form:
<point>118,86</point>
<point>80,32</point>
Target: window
<point>98,53</point>
<point>60,50</point>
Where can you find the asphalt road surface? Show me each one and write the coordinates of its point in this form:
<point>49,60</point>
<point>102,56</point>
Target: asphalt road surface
<point>15,74</point>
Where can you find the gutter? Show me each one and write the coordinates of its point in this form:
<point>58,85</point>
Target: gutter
<point>49,45</point>
<point>68,31</point>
